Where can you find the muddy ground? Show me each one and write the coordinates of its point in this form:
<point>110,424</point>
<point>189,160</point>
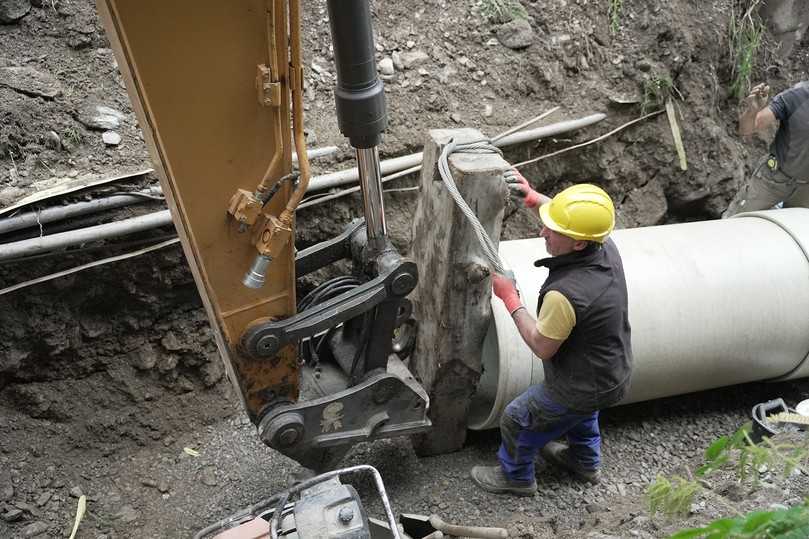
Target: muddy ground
<point>108,374</point>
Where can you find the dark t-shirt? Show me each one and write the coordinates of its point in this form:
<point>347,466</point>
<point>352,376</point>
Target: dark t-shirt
<point>791,144</point>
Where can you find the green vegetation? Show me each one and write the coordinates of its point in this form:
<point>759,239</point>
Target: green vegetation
<point>614,13</point>
<point>674,497</point>
<point>502,11</point>
<point>744,34</point>
<point>790,523</point>
<point>671,497</point>
<point>74,136</point>
<point>752,457</point>
<point>656,91</point>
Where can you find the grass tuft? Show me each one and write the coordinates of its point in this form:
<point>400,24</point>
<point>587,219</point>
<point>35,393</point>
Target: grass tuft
<point>502,11</point>
<point>614,13</point>
<point>745,34</point>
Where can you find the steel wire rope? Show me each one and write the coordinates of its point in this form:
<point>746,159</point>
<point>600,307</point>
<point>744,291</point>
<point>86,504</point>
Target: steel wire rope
<point>481,146</point>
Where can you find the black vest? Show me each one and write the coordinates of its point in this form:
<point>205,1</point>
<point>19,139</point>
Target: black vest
<point>591,369</point>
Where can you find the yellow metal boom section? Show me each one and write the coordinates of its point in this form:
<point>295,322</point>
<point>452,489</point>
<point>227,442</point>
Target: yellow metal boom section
<point>210,84</point>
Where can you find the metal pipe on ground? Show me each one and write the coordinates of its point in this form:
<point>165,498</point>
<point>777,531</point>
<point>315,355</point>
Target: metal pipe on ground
<point>388,166</point>
<point>711,304</point>
<point>53,242</point>
<point>68,211</point>
<point>326,181</point>
<point>58,213</point>
<point>316,152</point>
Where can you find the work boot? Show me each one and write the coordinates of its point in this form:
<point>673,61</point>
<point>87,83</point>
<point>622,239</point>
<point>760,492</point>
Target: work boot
<point>493,479</point>
<point>559,454</point>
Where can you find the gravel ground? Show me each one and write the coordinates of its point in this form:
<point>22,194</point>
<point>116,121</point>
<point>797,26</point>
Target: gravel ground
<point>102,386</point>
<point>162,491</point>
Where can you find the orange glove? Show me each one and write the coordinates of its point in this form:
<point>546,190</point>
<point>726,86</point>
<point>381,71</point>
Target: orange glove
<point>505,289</point>
<point>521,189</point>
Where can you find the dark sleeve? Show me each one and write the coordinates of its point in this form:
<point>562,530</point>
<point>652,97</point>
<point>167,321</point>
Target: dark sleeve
<point>785,103</point>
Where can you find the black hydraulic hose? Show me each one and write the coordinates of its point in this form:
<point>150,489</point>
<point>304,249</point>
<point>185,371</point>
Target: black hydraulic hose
<point>323,292</point>
<point>314,349</point>
<point>316,296</point>
<point>365,334</point>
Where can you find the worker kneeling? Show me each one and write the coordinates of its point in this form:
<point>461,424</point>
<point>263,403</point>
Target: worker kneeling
<point>582,336</point>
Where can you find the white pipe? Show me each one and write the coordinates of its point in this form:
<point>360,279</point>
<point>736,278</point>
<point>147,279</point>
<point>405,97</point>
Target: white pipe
<point>711,304</point>
<point>325,181</point>
<point>388,166</point>
<point>549,130</point>
<point>351,175</point>
<point>52,242</point>
<point>316,152</point>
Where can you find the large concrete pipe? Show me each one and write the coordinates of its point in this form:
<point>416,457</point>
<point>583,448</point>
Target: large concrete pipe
<point>711,304</point>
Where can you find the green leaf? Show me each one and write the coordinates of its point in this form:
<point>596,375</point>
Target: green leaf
<point>724,525</point>
<point>797,533</point>
<point>716,448</point>
<point>688,534</point>
<point>756,520</point>
<point>740,436</point>
<point>712,465</point>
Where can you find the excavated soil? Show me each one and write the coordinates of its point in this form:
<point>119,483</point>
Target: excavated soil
<point>107,375</point>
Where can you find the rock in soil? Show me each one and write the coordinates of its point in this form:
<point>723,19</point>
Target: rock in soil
<point>127,514</point>
<point>35,529</point>
<point>30,81</point>
<point>13,10</point>
<point>101,117</point>
<point>12,515</point>
<point>516,34</point>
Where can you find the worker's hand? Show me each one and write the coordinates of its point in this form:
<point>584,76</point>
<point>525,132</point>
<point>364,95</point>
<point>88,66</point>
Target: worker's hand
<point>758,98</point>
<point>521,190</point>
<point>505,289</point>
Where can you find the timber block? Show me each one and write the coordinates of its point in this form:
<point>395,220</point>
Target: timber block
<point>452,299</point>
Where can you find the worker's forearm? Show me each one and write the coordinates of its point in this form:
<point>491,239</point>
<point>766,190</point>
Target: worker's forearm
<point>527,327</point>
<point>747,122</point>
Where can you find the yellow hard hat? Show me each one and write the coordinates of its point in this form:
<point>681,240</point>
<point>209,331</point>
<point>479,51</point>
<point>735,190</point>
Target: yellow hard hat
<point>581,212</point>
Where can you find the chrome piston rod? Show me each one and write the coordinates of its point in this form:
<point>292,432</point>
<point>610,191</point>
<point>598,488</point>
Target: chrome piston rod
<point>371,184</point>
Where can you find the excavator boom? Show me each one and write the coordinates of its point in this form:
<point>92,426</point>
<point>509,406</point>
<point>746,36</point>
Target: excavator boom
<point>216,87</point>
<point>191,72</point>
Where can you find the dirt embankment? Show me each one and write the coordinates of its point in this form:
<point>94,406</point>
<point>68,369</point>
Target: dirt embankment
<point>117,362</point>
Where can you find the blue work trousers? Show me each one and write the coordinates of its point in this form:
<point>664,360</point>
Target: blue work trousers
<point>532,420</point>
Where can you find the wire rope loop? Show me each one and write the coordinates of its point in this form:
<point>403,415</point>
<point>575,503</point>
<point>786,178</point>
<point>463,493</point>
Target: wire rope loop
<point>481,146</point>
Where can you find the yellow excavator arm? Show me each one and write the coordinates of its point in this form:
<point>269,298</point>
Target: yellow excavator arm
<point>216,86</point>
<point>191,69</point>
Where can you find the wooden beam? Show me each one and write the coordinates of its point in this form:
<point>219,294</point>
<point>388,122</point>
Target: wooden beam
<point>452,300</point>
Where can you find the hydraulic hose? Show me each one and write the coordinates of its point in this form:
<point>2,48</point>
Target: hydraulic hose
<point>296,78</point>
<point>264,188</point>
